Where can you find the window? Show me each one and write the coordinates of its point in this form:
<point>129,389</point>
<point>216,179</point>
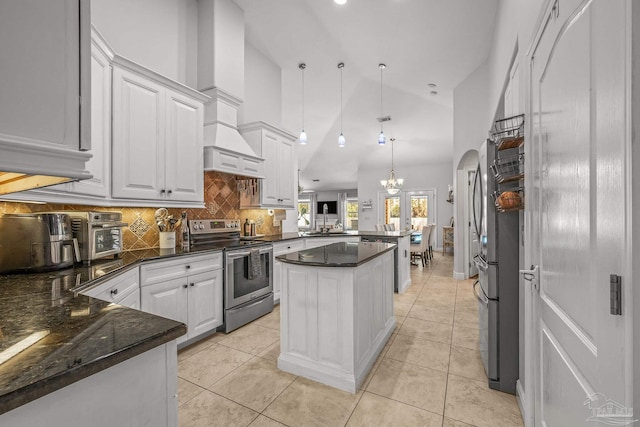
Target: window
<point>419,211</point>
<point>392,211</point>
<point>304,215</point>
<point>351,222</point>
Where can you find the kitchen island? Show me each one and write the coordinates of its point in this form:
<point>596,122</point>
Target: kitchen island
<point>336,311</point>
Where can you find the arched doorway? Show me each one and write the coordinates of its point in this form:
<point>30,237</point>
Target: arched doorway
<point>464,230</point>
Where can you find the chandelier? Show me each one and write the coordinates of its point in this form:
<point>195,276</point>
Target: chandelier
<point>392,184</point>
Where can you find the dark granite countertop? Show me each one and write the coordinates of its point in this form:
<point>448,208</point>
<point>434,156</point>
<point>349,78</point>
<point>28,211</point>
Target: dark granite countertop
<point>349,233</point>
<point>77,336</point>
<point>341,254</point>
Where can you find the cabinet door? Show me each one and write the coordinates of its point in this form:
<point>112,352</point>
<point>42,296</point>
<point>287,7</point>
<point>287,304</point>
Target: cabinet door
<point>167,299</point>
<point>131,300</point>
<point>138,137</point>
<point>270,182</point>
<point>100,164</point>
<point>284,172</point>
<point>184,179</point>
<point>205,302</point>
<point>40,69</point>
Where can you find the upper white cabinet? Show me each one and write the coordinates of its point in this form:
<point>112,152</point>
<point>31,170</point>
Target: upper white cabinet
<point>146,133</point>
<point>99,186</point>
<point>157,137</point>
<point>277,148</point>
<point>45,87</point>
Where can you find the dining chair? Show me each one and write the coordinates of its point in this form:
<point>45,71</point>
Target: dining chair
<point>419,250</point>
<point>432,240</point>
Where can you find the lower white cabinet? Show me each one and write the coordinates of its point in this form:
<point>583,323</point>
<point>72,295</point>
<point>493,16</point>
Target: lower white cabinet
<point>282,248</point>
<point>188,290</point>
<point>123,289</point>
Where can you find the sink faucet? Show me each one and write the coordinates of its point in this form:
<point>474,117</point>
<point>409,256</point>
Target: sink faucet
<point>325,211</point>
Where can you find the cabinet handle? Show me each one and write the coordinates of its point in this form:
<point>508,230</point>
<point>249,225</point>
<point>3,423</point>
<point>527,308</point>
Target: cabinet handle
<point>114,291</point>
<point>192,284</point>
<point>185,286</point>
<point>162,191</point>
<point>169,191</point>
<point>187,267</point>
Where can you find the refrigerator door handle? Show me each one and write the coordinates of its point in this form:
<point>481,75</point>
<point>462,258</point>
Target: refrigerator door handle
<point>480,262</point>
<point>480,295</point>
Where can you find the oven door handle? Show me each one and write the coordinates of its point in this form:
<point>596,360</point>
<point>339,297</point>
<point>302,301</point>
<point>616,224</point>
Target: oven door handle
<point>110,225</point>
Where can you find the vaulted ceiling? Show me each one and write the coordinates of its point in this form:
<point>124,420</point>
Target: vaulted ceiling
<point>420,41</point>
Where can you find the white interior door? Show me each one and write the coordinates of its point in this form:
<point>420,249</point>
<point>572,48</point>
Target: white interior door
<point>577,194</point>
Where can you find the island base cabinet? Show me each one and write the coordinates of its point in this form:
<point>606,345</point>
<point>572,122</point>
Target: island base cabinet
<point>141,391</point>
<point>336,321</point>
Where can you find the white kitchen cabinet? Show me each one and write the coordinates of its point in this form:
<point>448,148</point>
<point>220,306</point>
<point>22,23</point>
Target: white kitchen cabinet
<point>99,186</point>
<point>155,152</point>
<point>123,289</point>
<point>282,248</point>
<point>277,147</point>
<point>188,290</point>
<point>45,87</point>
<point>157,137</point>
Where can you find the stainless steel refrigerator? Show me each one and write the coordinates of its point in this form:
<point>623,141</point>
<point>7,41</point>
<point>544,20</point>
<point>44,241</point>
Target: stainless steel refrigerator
<point>497,285</point>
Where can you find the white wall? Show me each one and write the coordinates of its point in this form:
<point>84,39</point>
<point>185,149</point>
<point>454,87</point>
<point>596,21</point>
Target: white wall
<point>424,177</point>
<point>262,89</point>
<point>159,34</point>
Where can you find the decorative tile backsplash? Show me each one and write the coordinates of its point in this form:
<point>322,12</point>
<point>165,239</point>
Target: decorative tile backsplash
<point>221,199</point>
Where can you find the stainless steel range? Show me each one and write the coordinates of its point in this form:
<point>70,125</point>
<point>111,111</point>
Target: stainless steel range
<point>248,275</point>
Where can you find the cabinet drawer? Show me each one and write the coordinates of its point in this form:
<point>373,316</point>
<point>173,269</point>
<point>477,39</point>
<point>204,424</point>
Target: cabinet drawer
<point>288,246</point>
<point>160,271</point>
<point>116,288</point>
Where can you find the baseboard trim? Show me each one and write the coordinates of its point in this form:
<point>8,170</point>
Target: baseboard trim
<point>522,403</point>
<point>459,276</point>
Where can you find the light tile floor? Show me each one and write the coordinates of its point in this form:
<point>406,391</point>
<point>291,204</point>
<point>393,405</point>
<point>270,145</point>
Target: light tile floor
<point>429,373</point>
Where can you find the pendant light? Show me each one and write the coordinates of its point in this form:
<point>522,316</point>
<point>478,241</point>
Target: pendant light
<point>341,139</point>
<point>381,138</point>
<point>392,185</point>
<point>303,134</point>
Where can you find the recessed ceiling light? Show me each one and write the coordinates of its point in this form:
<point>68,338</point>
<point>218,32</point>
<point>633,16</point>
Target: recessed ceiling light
<point>431,85</point>
<point>434,92</point>
<point>340,1</point>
